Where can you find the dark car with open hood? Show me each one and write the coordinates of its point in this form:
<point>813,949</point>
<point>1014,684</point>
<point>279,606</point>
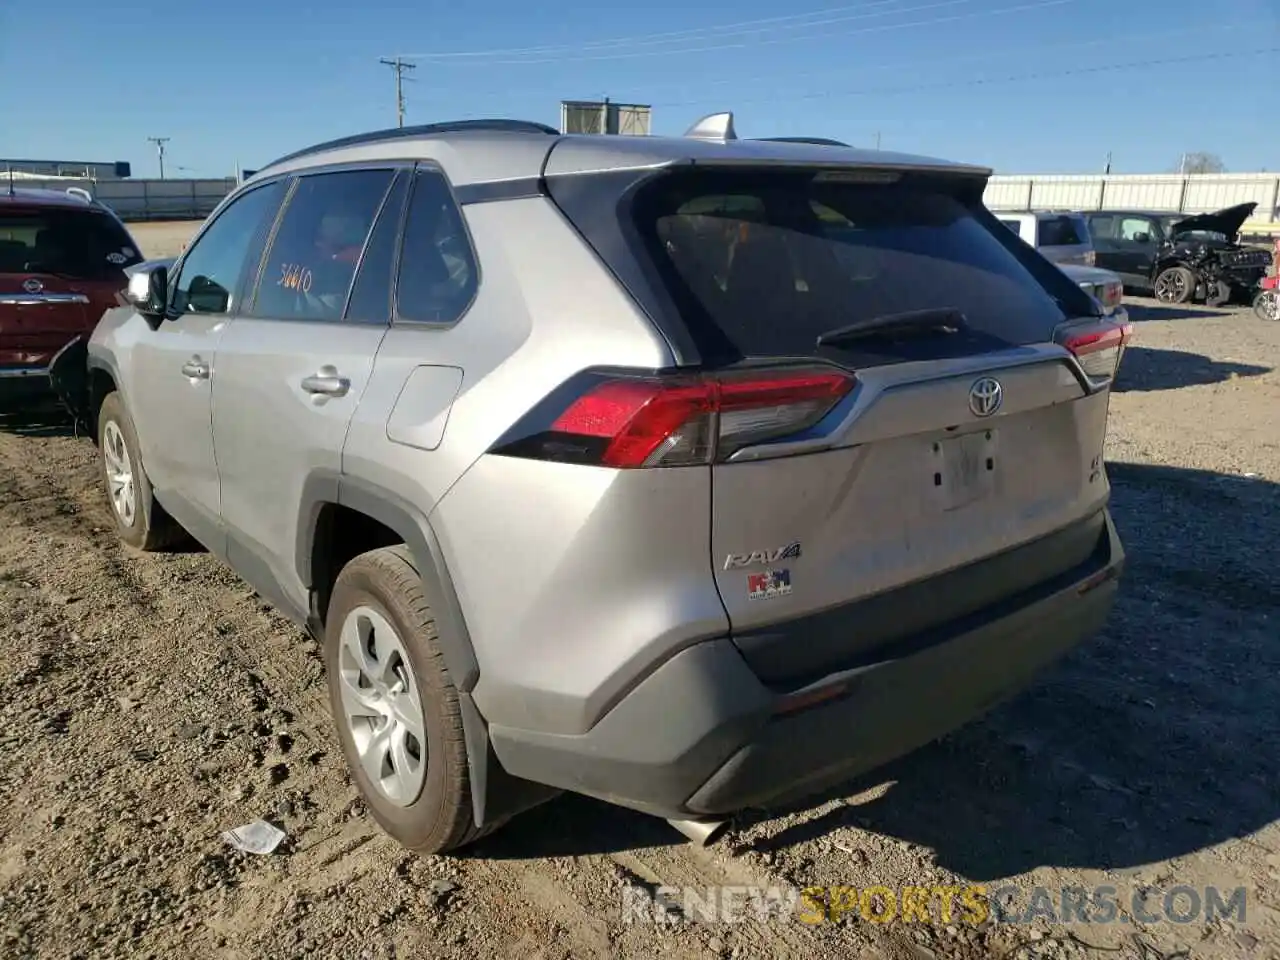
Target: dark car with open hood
<point>63,257</point>
<point>1180,258</point>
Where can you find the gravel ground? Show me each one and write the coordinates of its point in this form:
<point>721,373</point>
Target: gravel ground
<point>148,703</point>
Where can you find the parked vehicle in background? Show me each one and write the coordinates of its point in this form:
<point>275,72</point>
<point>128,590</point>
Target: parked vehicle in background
<point>1180,259</point>
<point>1060,237</point>
<point>63,258</point>
<point>630,466</point>
<point>1103,285</point>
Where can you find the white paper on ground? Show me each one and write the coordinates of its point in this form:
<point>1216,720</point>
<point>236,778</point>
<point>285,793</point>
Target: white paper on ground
<point>257,837</point>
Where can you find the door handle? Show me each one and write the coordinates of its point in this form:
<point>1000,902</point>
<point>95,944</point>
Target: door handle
<point>196,369</point>
<point>325,382</point>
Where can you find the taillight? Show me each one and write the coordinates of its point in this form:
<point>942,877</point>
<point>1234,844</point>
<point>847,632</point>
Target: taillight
<point>628,421</point>
<point>1098,345</point>
<point>1112,294</point>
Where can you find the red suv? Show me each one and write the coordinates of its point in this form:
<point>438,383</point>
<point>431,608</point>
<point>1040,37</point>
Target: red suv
<point>63,258</point>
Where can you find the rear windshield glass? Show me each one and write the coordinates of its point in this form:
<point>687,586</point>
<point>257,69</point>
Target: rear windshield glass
<point>69,243</point>
<point>1062,232</point>
<point>774,260</point>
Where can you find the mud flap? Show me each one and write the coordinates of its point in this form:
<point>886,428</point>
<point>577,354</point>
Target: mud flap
<point>69,377</point>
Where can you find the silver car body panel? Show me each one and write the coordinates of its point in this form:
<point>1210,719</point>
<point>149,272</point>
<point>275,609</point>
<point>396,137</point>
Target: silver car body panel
<point>577,598</point>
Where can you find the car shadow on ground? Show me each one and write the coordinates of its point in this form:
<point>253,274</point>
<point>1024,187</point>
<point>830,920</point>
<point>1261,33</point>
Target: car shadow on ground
<point>1157,739</point>
<point>1146,312</point>
<point>1148,369</point>
<point>40,420</point>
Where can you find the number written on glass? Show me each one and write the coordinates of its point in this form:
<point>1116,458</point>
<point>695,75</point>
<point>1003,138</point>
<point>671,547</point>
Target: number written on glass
<point>294,276</point>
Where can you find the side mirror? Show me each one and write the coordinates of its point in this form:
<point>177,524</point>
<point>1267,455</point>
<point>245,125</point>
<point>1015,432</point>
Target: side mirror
<point>148,291</point>
<point>1142,238</point>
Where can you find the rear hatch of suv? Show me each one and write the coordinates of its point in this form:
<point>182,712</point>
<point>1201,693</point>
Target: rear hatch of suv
<point>903,409</point>
<point>60,269</point>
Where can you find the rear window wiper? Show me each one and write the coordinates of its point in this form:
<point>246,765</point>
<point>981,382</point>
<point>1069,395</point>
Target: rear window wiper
<point>934,320</point>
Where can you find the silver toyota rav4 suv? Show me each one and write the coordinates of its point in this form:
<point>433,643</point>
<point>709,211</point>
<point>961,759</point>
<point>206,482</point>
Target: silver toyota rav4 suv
<point>688,473</point>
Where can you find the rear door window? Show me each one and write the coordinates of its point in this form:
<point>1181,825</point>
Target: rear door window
<point>308,271</point>
<point>1062,232</point>
<point>770,261</point>
<point>78,244</point>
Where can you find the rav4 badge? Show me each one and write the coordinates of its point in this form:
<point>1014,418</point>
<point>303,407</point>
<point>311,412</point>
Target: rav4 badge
<point>738,560</point>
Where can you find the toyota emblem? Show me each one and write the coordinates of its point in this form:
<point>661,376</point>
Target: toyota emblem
<point>32,286</point>
<point>985,396</point>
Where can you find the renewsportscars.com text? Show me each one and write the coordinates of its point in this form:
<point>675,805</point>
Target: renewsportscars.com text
<point>974,904</point>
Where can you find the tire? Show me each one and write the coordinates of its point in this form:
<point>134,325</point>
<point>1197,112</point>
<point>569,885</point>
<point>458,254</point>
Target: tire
<point>1175,285</point>
<point>1219,293</point>
<point>425,806</point>
<point>1266,305</point>
<point>145,526</point>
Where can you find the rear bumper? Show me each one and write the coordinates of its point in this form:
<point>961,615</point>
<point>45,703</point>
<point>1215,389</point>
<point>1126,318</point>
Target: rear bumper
<point>702,735</point>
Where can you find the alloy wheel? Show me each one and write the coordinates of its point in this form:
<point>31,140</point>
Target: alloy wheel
<point>381,706</point>
<point>119,469</point>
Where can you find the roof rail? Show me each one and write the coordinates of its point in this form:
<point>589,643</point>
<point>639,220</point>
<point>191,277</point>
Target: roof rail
<point>716,126</point>
<point>422,130</point>
<point>820,141</point>
<point>80,193</point>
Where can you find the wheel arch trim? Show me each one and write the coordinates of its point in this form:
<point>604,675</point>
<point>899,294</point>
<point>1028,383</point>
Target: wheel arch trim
<point>325,487</point>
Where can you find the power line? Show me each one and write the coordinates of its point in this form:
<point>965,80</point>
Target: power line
<point>160,142</point>
<point>991,81</point>
<point>769,41</point>
<point>986,56</point>
<point>693,34</point>
<point>399,66</point>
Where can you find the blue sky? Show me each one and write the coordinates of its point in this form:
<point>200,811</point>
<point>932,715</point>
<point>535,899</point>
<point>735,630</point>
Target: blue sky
<point>1021,85</point>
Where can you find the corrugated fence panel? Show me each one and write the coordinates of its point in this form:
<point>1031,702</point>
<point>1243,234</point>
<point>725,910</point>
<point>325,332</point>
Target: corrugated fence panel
<point>150,199</point>
<point>1174,192</point>
<point>1218,192</point>
<point>1007,193</point>
<point>1063,193</point>
<point>195,199</point>
<point>1143,193</point>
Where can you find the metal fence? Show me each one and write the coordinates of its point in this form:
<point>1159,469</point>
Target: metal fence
<point>1174,193</point>
<point>149,199</point>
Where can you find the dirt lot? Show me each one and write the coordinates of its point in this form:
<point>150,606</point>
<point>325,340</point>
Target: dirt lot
<point>148,703</point>
<point>163,238</point>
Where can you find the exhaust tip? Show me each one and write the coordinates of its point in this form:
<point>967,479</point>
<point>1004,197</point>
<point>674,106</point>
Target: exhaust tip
<point>703,833</point>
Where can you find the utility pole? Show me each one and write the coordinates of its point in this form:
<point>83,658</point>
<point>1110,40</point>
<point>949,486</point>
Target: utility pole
<point>160,142</point>
<point>399,66</point>
<point>1108,167</point>
<point>877,139</point>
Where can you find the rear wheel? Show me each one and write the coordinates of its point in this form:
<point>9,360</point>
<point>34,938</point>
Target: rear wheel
<point>395,705</point>
<point>1175,285</point>
<point>140,521</point>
